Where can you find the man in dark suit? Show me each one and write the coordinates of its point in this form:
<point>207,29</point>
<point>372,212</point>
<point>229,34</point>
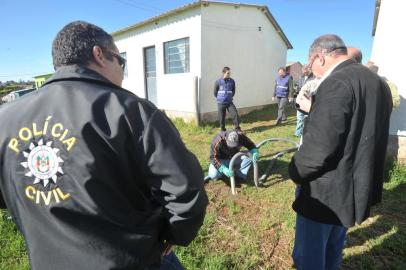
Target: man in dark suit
<point>339,166</point>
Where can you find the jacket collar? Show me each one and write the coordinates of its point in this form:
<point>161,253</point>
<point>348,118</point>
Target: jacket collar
<point>343,64</point>
<point>336,67</point>
<point>78,72</point>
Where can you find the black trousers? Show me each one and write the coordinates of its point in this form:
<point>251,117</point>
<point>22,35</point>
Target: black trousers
<point>222,115</point>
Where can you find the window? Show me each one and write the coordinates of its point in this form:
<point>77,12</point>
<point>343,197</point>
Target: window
<point>177,56</point>
<point>124,55</point>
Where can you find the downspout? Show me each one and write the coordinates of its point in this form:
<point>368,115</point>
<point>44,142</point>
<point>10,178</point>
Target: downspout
<point>196,99</point>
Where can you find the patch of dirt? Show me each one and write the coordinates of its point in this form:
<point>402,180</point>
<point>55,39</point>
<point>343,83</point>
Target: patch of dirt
<point>273,240</point>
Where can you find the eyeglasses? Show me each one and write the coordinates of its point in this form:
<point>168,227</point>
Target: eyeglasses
<point>121,60</point>
<point>311,61</point>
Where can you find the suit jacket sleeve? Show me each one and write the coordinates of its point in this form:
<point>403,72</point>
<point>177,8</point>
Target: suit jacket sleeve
<point>274,90</point>
<point>175,178</point>
<point>216,88</point>
<point>291,87</point>
<point>2,203</point>
<point>325,132</point>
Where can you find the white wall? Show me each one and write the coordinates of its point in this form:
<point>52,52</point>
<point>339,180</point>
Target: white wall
<point>174,91</point>
<point>230,37</point>
<point>388,54</point>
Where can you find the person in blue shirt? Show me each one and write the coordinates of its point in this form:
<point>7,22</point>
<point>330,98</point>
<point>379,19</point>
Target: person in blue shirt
<point>224,90</point>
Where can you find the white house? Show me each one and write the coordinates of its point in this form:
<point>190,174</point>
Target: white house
<point>175,58</point>
<point>388,54</point>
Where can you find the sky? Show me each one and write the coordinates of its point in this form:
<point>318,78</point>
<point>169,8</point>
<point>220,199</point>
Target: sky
<point>27,28</point>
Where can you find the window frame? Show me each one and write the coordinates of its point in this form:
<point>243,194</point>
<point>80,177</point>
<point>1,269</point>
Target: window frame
<point>184,57</point>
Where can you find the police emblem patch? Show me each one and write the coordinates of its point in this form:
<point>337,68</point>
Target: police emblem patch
<point>43,162</point>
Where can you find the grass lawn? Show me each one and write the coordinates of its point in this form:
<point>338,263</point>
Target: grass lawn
<point>255,228</point>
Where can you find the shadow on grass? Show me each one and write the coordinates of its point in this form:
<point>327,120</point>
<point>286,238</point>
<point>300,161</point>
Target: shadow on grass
<point>268,113</point>
<point>382,244</point>
<point>278,173</point>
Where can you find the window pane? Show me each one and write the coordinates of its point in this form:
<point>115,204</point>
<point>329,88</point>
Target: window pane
<point>124,55</point>
<point>177,56</point>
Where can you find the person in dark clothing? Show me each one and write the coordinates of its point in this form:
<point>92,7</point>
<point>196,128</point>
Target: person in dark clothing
<point>223,147</point>
<point>339,165</point>
<point>94,176</point>
<point>283,92</point>
<point>224,91</point>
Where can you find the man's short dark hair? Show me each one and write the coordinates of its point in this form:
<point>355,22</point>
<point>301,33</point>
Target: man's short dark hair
<point>74,43</point>
<point>225,69</point>
<point>329,43</point>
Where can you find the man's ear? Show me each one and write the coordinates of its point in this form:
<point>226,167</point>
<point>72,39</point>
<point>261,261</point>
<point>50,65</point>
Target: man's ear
<point>322,60</point>
<point>98,56</point>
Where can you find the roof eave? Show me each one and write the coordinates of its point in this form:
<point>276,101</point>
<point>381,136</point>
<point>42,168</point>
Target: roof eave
<point>376,15</point>
<point>264,9</point>
<point>277,27</point>
<point>156,18</point>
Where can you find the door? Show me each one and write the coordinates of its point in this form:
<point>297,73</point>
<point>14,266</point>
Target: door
<point>150,74</point>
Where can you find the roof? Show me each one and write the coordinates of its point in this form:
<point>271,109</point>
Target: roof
<point>189,6</point>
<point>376,15</point>
<point>292,63</point>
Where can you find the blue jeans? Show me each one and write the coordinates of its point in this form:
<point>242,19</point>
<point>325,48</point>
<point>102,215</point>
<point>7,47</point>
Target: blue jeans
<point>244,164</point>
<point>171,262</point>
<point>318,246</point>
<point>299,123</point>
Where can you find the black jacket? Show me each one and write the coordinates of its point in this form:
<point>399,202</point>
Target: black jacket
<point>219,149</point>
<point>340,163</point>
<point>95,177</point>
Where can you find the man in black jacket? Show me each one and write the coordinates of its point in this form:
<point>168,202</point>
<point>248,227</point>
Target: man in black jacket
<point>339,166</point>
<point>95,177</point>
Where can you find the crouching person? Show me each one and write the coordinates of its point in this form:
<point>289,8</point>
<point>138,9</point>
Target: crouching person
<point>223,147</point>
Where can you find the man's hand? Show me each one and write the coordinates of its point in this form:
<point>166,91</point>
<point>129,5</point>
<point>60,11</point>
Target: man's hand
<point>226,171</point>
<point>273,98</point>
<point>255,154</point>
<point>291,99</point>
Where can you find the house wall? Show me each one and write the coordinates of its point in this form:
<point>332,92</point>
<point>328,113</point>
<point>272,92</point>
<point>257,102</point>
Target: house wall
<point>174,91</point>
<point>231,37</point>
<point>387,54</point>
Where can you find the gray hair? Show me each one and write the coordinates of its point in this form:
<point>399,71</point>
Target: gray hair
<point>326,44</point>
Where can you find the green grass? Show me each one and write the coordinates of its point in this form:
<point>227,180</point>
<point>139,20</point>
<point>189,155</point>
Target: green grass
<point>13,254</point>
<point>255,228</point>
